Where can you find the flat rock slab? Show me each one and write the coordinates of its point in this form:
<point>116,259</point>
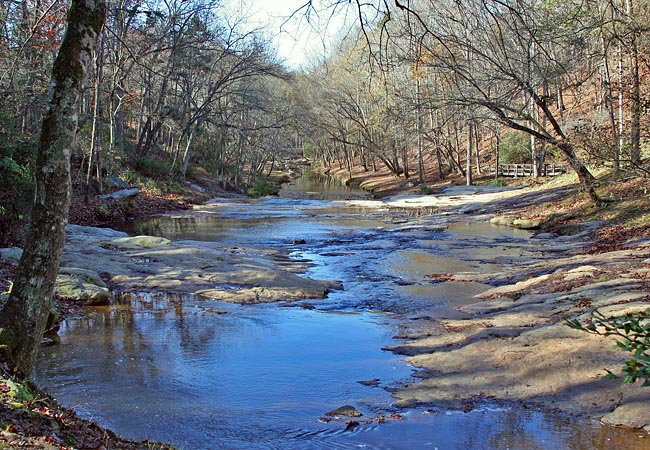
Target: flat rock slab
<point>633,412</point>
<point>516,346</point>
<point>146,263</point>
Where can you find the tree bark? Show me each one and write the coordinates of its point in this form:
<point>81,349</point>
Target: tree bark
<point>95,158</point>
<point>24,316</point>
<point>635,106</point>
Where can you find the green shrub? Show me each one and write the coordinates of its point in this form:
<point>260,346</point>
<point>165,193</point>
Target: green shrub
<point>260,187</point>
<point>13,172</point>
<point>190,172</point>
<point>514,148</point>
<point>19,391</point>
<point>497,183</point>
<point>16,188</point>
<point>152,167</point>
<point>633,335</point>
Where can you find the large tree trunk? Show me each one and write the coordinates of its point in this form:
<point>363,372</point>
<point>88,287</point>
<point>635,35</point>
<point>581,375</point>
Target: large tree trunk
<point>585,177</point>
<point>23,318</point>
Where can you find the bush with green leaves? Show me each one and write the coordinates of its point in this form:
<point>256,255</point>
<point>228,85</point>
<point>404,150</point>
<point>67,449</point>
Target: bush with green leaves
<point>514,148</point>
<point>152,166</point>
<point>632,333</point>
<point>261,186</point>
<point>497,183</point>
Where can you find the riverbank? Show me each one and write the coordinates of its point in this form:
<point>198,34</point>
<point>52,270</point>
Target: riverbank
<point>515,346</point>
<point>32,419</point>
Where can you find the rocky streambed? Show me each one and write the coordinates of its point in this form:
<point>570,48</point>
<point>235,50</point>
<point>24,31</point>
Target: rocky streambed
<point>508,343</point>
<point>514,344</point>
<point>98,261</point>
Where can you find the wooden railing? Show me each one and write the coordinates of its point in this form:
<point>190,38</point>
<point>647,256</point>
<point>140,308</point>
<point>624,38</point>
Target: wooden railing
<point>526,170</point>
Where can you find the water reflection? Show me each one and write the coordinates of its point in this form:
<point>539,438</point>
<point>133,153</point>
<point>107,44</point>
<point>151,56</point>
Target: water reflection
<point>317,186</point>
<point>194,375</point>
<point>202,374</point>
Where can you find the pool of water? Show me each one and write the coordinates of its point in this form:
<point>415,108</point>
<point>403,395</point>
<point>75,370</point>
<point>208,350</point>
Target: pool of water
<point>197,373</point>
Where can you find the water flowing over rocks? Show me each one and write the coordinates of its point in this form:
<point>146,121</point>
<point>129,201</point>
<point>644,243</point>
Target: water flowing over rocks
<point>509,345</point>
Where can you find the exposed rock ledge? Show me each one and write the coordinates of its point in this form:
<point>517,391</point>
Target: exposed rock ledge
<point>145,263</point>
<point>516,346</point>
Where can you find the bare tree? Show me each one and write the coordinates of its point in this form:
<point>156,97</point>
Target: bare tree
<point>496,56</point>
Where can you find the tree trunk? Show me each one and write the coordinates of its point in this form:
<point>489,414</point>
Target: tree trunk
<point>418,127</point>
<point>608,99</point>
<point>585,177</point>
<point>477,153</point>
<point>621,113</point>
<point>188,150</point>
<point>95,158</point>
<point>496,147</point>
<point>24,316</point>
<point>468,170</point>
<point>635,106</point>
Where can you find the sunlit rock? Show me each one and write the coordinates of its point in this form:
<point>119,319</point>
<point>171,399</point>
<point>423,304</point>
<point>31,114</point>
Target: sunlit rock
<point>139,242</point>
<point>80,290</point>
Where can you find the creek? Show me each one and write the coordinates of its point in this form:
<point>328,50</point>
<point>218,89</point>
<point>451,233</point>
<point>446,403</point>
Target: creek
<point>204,374</point>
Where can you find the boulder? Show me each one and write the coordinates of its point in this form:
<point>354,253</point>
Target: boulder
<point>81,232</point>
<point>344,411</point>
<point>70,287</point>
<point>89,276</point>
<point>121,195</point>
<point>119,183</point>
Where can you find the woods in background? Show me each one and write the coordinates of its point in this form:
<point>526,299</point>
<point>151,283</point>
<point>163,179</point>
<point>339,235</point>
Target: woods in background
<point>454,79</point>
<point>422,89</point>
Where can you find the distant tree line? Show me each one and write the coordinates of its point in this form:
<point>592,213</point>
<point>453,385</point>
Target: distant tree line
<point>162,88</point>
<point>449,79</point>
<point>420,86</point>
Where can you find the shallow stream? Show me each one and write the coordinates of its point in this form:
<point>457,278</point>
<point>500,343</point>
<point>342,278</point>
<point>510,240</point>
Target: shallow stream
<point>203,374</point>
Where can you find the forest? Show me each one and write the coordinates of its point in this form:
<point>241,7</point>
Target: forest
<point>420,89</point>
